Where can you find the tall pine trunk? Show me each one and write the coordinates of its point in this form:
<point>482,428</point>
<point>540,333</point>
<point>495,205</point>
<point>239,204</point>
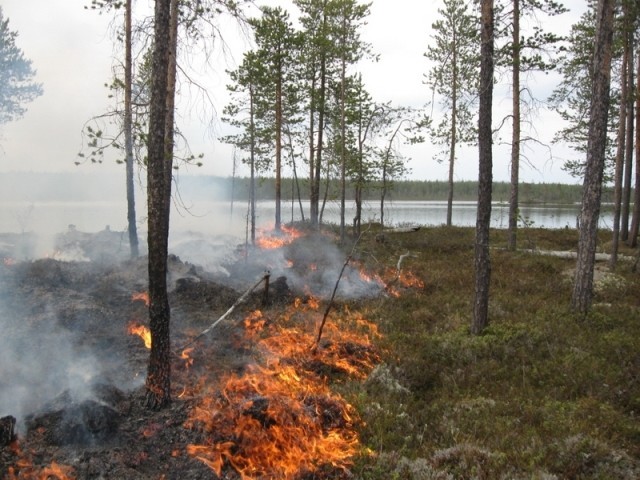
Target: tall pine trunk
<point>619,167</point>
<point>128,136</point>
<point>454,130</point>
<point>628,100</point>
<point>485,176</point>
<point>278,139</point>
<point>515,133</point>
<point>633,231</point>
<point>597,137</point>
<point>158,382</point>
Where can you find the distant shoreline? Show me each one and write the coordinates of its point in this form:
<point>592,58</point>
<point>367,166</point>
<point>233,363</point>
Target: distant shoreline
<point>96,186</point>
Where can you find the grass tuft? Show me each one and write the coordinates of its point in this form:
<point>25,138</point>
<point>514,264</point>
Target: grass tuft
<point>541,394</point>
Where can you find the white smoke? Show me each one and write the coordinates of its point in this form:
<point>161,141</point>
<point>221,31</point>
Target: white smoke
<point>38,361</point>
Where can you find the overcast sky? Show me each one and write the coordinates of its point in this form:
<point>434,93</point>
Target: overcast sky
<point>71,48</point>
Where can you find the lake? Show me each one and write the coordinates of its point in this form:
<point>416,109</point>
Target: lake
<point>219,218</point>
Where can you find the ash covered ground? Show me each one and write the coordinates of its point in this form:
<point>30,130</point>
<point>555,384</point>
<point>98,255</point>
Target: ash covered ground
<point>73,377</point>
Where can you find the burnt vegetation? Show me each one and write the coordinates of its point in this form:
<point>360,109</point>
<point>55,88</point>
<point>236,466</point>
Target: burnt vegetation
<point>397,388</point>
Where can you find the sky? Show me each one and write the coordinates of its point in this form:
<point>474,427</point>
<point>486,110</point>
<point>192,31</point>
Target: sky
<point>72,51</point>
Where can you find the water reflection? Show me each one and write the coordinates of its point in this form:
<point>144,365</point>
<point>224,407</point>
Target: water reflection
<point>222,217</point>
<point>434,213</point>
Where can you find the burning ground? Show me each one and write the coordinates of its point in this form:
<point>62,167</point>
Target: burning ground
<point>253,398</point>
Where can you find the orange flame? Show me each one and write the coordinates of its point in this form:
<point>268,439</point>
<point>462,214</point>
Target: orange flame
<point>186,356</point>
<point>26,469</point>
<point>142,296</point>
<point>143,332</point>
<point>286,236</point>
<point>8,261</point>
<point>254,322</point>
<point>281,420</point>
<point>281,424</point>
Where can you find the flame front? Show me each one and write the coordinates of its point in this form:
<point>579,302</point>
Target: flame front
<point>280,419</point>
<point>281,424</point>
<point>143,332</point>
<point>141,296</point>
<point>286,236</point>
<point>24,468</point>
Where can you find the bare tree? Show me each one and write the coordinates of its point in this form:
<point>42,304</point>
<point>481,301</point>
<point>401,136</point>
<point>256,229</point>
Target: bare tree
<point>128,133</point>
<point>592,188</point>
<point>485,175</point>
<point>158,382</point>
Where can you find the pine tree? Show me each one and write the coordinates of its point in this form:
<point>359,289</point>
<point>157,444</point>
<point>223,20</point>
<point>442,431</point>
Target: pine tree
<point>592,188</point>
<point>17,86</point>
<point>454,79</point>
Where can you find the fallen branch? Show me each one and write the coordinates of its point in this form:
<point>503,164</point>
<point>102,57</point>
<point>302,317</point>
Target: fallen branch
<point>240,300</point>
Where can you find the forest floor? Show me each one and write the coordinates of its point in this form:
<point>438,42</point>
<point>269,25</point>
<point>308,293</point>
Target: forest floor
<point>396,387</point>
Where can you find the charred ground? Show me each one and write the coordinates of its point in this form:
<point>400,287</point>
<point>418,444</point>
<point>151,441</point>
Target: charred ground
<point>541,394</point>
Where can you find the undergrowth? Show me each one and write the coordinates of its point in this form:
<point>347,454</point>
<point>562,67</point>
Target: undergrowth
<point>541,394</point>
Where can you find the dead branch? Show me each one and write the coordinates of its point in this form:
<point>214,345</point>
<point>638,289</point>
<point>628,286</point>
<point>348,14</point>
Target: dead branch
<point>335,289</point>
<point>240,300</point>
<point>399,268</point>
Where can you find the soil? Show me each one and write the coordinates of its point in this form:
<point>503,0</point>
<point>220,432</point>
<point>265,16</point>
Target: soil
<point>82,409</point>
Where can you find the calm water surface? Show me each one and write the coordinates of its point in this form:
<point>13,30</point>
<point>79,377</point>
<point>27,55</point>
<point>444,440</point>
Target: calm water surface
<point>222,217</point>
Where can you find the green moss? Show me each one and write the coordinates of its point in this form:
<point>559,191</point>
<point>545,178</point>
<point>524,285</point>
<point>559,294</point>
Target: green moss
<point>542,393</point>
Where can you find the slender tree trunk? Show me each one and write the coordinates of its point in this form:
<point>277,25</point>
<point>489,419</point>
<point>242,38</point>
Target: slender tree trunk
<point>454,129</point>
<point>313,193</point>
<point>619,165</point>
<point>633,231</point>
<point>319,147</point>
<point>128,136</point>
<point>158,382</point>
<point>278,149</point>
<point>515,133</point>
<point>171,101</point>
<point>343,156</point>
<point>597,137</point>
<point>628,99</point>
<point>295,175</point>
<point>485,177</point>
<point>383,193</point>
<point>252,181</point>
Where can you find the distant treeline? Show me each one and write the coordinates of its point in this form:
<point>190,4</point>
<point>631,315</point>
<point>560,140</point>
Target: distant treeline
<point>529,193</point>
<point>94,186</point>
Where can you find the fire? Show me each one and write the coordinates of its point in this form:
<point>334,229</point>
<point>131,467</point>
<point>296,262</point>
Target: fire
<point>280,419</point>
<point>143,332</point>
<point>24,468</point>
<point>274,424</point>
<point>254,323</point>
<point>186,356</point>
<point>8,261</point>
<point>286,236</point>
<point>142,296</point>
<point>368,277</point>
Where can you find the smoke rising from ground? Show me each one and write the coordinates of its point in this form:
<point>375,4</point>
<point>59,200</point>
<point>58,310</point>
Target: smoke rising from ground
<point>38,361</point>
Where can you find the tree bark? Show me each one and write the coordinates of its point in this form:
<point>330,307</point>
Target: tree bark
<point>485,177</point>
<point>128,136</point>
<point>619,165</point>
<point>628,100</point>
<point>515,134</point>
<point>454,127</point>
<point>592,188</point>
<point>278,140</point>
<point>252,183</point>
<point>635,223</point>
<point>158,382</point>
